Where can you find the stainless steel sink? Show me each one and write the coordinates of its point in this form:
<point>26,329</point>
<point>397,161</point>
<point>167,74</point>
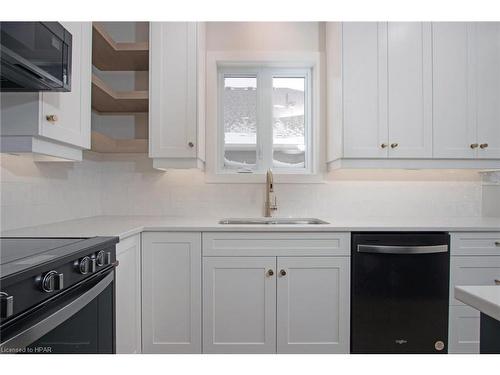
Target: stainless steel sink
<point>274,221</point>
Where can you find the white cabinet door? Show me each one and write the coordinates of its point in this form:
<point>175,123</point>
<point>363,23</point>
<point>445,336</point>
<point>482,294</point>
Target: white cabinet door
<point>454,125</point>
<point>313,305</point>
<point>239,305</point>
<point>472,270</point>
<point>409,59</point>
<point>173,90</point>
<point>72,109</point>
<point>128,296</point>
<point>364,70</point>
<point>171,292</point>
<point>463,332</point>
<point>487,69</point>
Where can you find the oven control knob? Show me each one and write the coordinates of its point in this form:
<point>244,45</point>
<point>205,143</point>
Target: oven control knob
<point>52,281</point>
<point>100,258</point>
<point>6,305</point>
<point>83,266</point>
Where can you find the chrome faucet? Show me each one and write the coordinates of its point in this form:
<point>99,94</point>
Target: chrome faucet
<point>270,204</point>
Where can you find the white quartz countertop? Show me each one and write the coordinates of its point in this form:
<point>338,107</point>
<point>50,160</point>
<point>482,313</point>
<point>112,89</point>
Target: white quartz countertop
<point>125,226</point>
<point>485,298</point>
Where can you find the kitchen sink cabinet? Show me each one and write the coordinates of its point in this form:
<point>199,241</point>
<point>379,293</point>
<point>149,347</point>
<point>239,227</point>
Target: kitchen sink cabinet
<point>171,292</point>
<point>276,292</point>
<point>239,305</point>
<point>276,305</point>
<point>313,304</point>
<point>128,296</point>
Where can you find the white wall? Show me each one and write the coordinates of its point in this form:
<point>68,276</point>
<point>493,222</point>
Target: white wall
<point>265,36</point>
<point>39,193</point>
<point>491,194</point>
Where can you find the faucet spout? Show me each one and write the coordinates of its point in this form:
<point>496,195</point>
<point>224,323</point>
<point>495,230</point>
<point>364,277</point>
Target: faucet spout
<point>271,204</point>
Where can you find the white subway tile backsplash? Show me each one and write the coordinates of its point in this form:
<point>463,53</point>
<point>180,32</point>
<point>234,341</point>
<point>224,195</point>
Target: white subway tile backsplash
<point>37,193</point>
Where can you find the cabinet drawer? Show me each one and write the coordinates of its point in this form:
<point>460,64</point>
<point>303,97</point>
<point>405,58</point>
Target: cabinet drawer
<point>472,271</point>
<point>275,244</point>
<point>475,243</point>
<point>463,335</point>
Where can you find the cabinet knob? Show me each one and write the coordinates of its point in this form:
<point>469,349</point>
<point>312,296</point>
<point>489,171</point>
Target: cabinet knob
<point>283,273</point>
<point>483,145</point>
<point>270,273</point>
<point>383,145</point>
<point>51,118</point>
<point>497,243</point>
<point>191,144</point>
<point>497,282</point>
<point>473,145</point>
<point>394,145</point>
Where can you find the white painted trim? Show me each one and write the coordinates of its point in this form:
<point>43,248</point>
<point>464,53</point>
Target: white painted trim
<point>413,164</point>
<point>214,59</point>
<point>42,149</point>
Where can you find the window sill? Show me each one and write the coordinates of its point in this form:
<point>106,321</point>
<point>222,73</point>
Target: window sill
<point>259,178</point>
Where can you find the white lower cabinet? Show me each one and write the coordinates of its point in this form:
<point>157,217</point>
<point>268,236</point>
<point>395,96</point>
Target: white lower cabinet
<point>276,304</point>
<point>313,305</point>
<point>463,335</point>
<point>128,296</point>
<point>475,260</point>
<point>171,292</point>
<point>239,305</point>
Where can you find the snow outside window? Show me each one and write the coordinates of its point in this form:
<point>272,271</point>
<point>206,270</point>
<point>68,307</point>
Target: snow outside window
<point>264,120</point>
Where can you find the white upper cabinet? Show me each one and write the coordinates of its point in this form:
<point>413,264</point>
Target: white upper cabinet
<point>387,90</point>
<point>176,52</point>
<point>72,109</point>
<point>454,125</point>
<point>487,73</point>
<point>413,94</point>
<point>53,124</point>
<point>409,89</point>
<point>364,89</point>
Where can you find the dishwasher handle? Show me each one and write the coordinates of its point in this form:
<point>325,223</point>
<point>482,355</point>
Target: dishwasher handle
<point>383,249</point>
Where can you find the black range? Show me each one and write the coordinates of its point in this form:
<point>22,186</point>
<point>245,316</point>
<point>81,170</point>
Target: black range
<point>57,295</point>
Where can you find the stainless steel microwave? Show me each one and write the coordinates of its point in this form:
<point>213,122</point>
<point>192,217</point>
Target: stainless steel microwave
<point>35,56</point>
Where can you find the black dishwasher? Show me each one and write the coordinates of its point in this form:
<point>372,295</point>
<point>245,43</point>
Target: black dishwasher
<point>399,292</point>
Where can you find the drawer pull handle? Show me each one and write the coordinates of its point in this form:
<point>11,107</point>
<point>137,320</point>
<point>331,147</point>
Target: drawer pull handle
<point>497,282</point>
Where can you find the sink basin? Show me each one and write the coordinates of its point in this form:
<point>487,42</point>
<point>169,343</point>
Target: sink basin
<point>274,221</point>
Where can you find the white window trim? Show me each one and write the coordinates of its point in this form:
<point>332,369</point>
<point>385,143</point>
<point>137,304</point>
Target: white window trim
<point>288,61</point>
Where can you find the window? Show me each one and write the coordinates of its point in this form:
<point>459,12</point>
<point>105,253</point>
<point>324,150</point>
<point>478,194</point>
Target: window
<point>264,120</point>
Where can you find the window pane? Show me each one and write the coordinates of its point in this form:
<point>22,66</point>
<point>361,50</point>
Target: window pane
<point>289,122</point>
<point>240,127</point>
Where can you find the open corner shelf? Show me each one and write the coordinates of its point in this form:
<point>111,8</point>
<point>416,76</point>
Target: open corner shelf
<point>105,99</point>
<point>107,145</point>
<point>110,55</point>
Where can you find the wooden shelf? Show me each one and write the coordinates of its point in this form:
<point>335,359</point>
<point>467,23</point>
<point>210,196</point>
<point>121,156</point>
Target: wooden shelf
<point>105,99</point>
<point>104,144</point>
<point>110,55</point>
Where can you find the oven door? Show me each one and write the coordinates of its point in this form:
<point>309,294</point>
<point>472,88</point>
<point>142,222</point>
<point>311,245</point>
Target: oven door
<point>80,320</point>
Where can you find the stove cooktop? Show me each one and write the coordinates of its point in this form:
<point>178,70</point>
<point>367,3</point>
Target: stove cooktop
<point>18,254</point>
